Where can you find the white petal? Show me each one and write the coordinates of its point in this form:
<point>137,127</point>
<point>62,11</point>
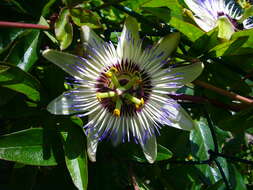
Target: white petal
<point>129,39</point>
<point>175,116</point>
<point>150,149</point>
<point>73,101</point>
<point>92,144</point>
<point>62,105</point>
<point>71,64</point>
<point>205,24</point>
<point>90,37</point>
<point>248,23</point>
<point>187,73</point>
<point>167,44</point>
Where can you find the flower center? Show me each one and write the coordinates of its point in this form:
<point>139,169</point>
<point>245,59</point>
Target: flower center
<point>123,89</point>
<point>234,22</point>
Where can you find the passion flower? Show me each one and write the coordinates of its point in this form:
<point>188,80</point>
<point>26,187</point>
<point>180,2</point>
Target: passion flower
<point>124,91</point>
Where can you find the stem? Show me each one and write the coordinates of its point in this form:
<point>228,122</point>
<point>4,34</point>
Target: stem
<point>212,129</point>
<point>133,178</point>
<point>202,100</point>
<point>223,175</point>
<point>23,25</point>
<point>232,158</point>
<point>224,92</point>
<point>189,162</point>
<point>142,19</point>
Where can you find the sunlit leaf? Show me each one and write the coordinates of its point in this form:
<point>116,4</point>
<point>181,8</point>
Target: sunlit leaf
<point>174,6</point>
<point>64,29</point>
<point>25,147</point>
<point>189,30</point>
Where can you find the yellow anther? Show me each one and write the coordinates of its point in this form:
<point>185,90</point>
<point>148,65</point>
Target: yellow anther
<point>99,99</point>
<point>114,69</point>
<point>189,157</point>
<point>138,81</point>
<point>116,112</point>
<point>142,102</point>
<point>108,74</point>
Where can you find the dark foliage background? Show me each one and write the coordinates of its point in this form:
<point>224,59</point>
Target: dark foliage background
<point>42,151</point>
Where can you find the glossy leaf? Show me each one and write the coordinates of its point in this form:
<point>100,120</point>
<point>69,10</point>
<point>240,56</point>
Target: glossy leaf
<point>25,147</point>
<point>236,179</point>
<point>8,36</point>
<point>15,79</point>
<point>75,155</point>
<point>64,29</point>
<point>189,30</point>
<point>201,143</point>
<point>162,154</point>
<point>24,53</point>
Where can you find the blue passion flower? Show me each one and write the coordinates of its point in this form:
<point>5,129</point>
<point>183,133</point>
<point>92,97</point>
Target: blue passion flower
<point>227,15</point>
<point>124,90</point>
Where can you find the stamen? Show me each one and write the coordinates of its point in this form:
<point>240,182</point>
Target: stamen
<point>112,74</point>
<point>116,111</point>
<point>101,95</point>
<point>138,102</point>
<point>131,83</point>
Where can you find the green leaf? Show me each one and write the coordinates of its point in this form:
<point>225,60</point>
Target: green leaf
<point>228,48</point>
<point>204,43</point>
<point>214,74</point>
<point>189,30</point>
<point>8,36</point>
<point>174,6</point>
<point>226,28</point>
<point>64,29</point>
<point>14,78</point>
<point>236,179</point>
<point>239,122</point>
<point>82,17</point>
<point>216,185</point>
<point>201,143</point>
<point>43,21</point>
<point>160,12</point>
<point>24,52</point>
<point>75,155</point>
<point>71,3</point>
<point>47,6</point>
<point>25,147</point>
<point>244,33</point>
<point>162,154</point>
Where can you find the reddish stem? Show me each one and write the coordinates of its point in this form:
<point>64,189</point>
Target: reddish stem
<point>201,100</point>
<point>232,95</point>
<point>22,25</point>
